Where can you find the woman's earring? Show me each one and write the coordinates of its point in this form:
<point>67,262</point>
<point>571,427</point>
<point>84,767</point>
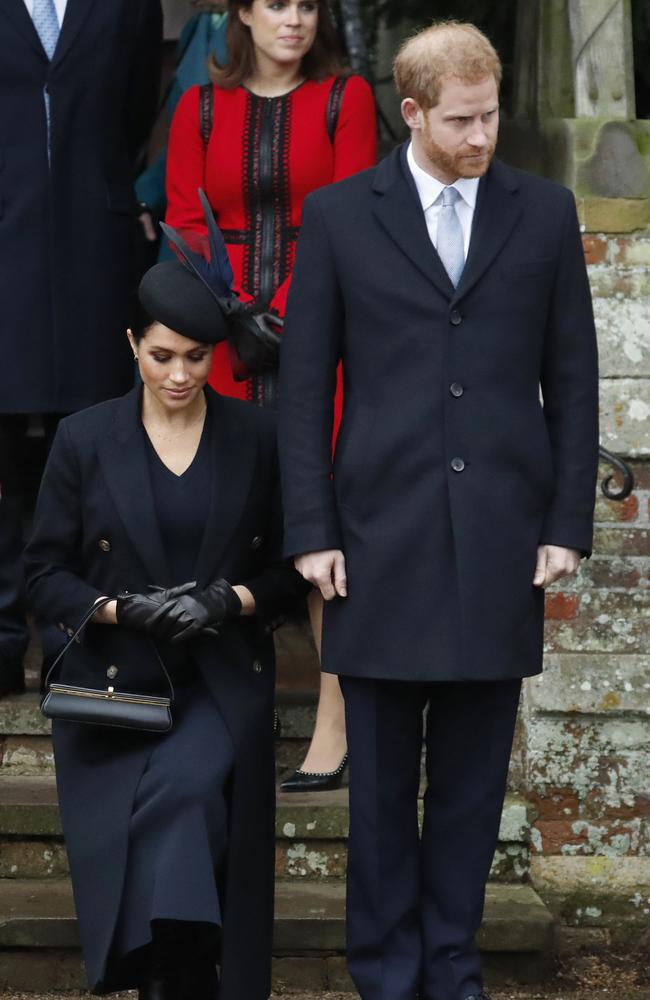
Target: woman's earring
<point>135,357</point>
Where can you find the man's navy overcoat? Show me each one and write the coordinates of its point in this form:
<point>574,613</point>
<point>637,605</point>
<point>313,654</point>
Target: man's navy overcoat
<point>67,226</point>
<point>96,533</point>
<point>449,469</point>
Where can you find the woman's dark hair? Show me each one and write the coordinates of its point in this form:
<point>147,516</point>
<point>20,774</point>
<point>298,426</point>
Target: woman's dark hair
<point>141,320</point>
<point>322,60</point>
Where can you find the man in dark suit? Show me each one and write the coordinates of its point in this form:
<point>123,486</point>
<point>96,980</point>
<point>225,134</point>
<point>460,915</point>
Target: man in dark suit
<point>79,83</point>
<point>454,289</point>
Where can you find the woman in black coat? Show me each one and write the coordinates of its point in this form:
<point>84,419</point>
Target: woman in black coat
<point>170,838</point>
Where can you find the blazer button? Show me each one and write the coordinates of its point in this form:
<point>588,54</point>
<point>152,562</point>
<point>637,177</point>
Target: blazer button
<point>112,672</point>
<point>456,389</point>
<point>257,666</point>
<point>455,318</point>
<point>457,464</point>
<point>257,541</point>
<point>104,545</point>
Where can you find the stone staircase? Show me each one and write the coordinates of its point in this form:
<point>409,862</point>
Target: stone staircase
<point>38,935</point>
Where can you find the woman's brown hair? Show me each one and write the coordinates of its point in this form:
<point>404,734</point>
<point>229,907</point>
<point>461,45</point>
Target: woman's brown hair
<point>322,60</point>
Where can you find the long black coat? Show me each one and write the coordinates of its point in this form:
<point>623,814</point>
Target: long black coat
<point>448,471</point>
<point>96,533</point>
<point>67,233</point>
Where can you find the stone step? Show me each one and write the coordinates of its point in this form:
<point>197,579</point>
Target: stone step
<point>311,833</point>
<point>26,746</point>
<point>20,715</point>
<point>39,941</point>
<point>309,917</point>
<point>28,807</point>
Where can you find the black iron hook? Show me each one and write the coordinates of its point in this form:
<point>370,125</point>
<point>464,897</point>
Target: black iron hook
<point>625,470</point>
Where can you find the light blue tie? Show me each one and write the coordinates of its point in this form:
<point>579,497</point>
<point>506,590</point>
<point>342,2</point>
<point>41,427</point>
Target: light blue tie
<point>451,247</point>
<point>47,25</point>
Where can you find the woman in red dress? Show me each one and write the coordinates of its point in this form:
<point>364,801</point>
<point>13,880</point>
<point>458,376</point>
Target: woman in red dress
<point>281,120</point>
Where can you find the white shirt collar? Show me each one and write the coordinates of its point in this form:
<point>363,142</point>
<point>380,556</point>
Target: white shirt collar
<point>429,187</point>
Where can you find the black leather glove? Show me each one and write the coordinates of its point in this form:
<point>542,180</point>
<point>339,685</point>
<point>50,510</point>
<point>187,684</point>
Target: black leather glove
<point>192,614</point>
<point>143,611</point>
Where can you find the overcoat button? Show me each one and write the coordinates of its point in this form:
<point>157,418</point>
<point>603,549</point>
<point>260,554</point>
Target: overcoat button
<point>112,673</point>
<point>457,464</point>
<point>70,632</point>
<point>455,318</point>
<point>104,545</point>
<point>257,666</point>
<point>61,626</point>
<point>257,541</point>
<point>456,389</point>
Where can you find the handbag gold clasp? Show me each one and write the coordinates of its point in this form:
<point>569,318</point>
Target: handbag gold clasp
<point>111,692</point>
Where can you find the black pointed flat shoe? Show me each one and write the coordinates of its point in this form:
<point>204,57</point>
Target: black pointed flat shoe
<point>315,781</point>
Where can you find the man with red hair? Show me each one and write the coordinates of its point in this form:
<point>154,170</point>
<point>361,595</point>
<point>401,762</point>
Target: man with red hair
<point>454,289</point>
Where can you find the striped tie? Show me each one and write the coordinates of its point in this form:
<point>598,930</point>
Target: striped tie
<point>451,247</point>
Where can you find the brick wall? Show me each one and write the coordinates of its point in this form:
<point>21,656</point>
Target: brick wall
<point>586,720</point>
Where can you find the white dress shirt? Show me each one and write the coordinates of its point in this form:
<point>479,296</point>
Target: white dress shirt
<point>59,5</point>
<point>429,190</point>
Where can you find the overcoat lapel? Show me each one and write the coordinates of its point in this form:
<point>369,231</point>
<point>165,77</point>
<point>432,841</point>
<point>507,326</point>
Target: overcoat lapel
<point>234,453</point>
<point>123,457</point>
<point>497,211</point>
<point>76,12</point>
<point>16,12</point>
<point>398,210</point>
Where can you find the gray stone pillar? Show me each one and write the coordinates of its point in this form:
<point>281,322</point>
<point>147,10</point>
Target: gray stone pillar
<point>602,60</point>
<point>574,109</point>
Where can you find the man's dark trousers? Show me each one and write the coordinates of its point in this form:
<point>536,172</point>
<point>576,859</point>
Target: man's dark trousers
<point>18,486</point>
<point>413,909</point>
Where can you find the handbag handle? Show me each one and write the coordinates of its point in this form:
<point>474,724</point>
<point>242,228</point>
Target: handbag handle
<point>92,611</point>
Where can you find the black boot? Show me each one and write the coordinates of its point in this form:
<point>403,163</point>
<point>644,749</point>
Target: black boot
<point>161,979</point>
<point>12,677</point>
<point>200,979</point>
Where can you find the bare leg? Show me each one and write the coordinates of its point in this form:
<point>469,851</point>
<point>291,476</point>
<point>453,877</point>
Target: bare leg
<point>329,743</point>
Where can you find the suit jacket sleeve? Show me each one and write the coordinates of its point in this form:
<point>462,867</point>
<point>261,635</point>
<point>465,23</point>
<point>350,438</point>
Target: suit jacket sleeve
<point>144,77</point>
<point>278,589</point>
<point>569,384</point>
<point>53,555</point>
<point>310,353</point>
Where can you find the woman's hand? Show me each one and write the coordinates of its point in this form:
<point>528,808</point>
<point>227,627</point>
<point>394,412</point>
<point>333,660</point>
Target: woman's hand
<point>192,614</point>
<point>152,612</point>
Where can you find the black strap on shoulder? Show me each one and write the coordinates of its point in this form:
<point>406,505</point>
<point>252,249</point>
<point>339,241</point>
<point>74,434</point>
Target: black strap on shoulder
<point>334,102</point>
<point>206,107</point>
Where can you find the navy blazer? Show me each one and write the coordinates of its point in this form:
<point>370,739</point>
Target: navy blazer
<point>449,469</point>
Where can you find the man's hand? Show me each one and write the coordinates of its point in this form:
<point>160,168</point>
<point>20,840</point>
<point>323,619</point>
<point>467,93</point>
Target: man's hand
<point>554,562</point>
<point>326,570</point>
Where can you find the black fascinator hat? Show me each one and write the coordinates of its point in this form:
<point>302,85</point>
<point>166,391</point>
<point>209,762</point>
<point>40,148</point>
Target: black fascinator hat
<point>193,295</point>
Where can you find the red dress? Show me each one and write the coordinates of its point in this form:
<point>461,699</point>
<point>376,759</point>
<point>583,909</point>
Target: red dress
<point>264,156</point>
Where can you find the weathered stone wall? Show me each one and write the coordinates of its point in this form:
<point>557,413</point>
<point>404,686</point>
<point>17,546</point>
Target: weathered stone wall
<point>586,721</point>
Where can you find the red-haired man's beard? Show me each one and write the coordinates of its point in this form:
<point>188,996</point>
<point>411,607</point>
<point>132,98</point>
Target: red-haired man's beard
<point>466,162</point>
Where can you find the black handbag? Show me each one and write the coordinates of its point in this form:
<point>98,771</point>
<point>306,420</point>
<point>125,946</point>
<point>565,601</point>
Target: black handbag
<point>94,706</point>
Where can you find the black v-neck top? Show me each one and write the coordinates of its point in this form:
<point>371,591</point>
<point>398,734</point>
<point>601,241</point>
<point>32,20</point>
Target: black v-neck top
<point>182,506</point>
